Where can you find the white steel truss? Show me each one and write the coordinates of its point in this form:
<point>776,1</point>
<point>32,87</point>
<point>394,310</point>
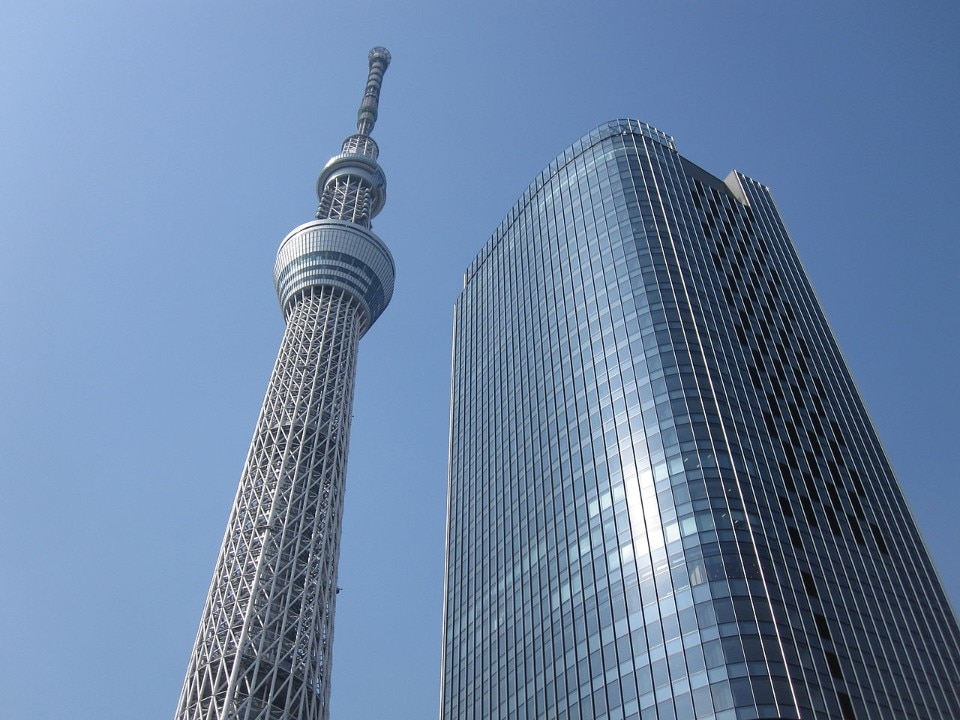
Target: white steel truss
<point>262,652</point>
<point>346,198</point>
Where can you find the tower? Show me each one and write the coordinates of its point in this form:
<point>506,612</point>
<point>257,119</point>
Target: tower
<point>263,650</point>
<point>666,499</point>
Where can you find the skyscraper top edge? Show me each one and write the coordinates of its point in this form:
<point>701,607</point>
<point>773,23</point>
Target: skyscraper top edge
<point>612,128</point>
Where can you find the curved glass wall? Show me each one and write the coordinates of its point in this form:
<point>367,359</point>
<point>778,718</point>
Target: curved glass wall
<point>666,498</point>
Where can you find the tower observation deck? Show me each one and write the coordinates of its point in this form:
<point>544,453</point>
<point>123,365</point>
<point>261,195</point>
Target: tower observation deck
<point>263,650</point>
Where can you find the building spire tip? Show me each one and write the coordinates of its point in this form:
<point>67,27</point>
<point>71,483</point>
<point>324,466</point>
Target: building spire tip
<point>379,59</point>
<point>380,53</point>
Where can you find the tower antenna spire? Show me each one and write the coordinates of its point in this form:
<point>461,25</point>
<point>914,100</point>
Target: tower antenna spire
<point>352,186</point>
<point>379,59</point>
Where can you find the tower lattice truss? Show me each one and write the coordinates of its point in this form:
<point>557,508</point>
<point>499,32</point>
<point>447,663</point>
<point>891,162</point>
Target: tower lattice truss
<point>268,625</point>
<point>264,647</point>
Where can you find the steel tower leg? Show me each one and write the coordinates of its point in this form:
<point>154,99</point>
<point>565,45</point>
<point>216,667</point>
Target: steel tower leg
<point>263,650</point>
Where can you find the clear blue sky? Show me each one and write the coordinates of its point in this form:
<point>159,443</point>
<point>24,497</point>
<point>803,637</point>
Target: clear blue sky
<point>153,155</point>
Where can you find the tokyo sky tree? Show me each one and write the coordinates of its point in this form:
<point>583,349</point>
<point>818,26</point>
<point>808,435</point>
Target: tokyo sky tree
<point>263,650</point>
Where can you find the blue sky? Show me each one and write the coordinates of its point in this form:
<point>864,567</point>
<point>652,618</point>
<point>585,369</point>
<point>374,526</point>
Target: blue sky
<point>153,155</point>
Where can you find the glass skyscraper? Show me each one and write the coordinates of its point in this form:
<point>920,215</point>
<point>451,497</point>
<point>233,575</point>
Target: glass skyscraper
<point>666,497</point>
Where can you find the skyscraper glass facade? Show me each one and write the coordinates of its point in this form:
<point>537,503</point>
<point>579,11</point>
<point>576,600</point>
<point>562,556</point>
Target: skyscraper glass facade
<point>666,497</point>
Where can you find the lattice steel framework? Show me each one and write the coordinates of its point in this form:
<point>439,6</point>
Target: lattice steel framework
<point>263,650</point>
